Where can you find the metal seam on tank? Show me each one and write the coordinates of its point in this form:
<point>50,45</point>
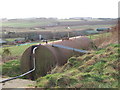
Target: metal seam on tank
<point>54,54</point>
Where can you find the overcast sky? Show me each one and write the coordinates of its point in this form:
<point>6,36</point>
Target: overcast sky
<point>58,8</point>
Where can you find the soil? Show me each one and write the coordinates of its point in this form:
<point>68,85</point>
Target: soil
<point>17,83</point>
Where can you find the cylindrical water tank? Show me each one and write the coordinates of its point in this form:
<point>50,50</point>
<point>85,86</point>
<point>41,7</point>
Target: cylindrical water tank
<point>47,57</point>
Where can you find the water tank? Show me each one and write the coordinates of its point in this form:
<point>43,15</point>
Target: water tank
<point>47,57</point>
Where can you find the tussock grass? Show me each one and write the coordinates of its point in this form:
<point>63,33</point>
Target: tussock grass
<point>96,70</point>
<point>10,68</point>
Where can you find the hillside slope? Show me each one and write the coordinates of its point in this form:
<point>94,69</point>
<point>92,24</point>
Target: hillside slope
<point>96,70</point>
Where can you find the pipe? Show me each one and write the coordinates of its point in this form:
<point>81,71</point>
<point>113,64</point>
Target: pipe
<point>69,48</point>
<point>51,54</point>
<point>3,81</point>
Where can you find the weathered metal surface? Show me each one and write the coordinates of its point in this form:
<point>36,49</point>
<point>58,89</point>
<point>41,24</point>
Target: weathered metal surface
<point>47,57</point>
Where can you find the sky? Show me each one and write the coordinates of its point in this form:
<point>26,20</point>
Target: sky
<point>58,8</point>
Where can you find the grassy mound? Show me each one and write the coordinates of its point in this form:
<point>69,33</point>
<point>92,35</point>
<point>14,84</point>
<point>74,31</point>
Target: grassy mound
<point>96,70</point>
<point>10,68</point>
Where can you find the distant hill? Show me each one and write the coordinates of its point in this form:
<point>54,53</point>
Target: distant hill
<point>53,22</point>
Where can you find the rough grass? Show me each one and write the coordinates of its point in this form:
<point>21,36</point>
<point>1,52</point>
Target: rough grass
<point>96,70</point>
<point>10,68</point>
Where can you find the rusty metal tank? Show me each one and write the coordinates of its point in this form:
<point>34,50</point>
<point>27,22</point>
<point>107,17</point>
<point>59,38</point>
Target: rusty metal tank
<point>47,57</point>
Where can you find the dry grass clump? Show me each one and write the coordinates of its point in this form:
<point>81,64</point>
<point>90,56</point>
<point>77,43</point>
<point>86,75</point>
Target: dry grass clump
<point>63,81</point>
<point>79,85</point>
<point>87,57</point>
<point>90,62</point>
<point>57,69</point>
<point>96,70</point>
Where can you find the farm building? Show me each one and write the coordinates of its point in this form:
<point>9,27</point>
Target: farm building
<point>102,29</point>
<point>2,42</point>
<point>19,40</point>
<point>39,35</point>
<point>32,37</point>
<point>89,32</point>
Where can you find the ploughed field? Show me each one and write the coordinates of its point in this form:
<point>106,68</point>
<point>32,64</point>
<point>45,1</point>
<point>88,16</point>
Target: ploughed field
<point>54,24</point>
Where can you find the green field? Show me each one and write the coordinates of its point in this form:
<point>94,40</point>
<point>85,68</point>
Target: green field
<point>11,39</point>
<point>27,22</point>
<point>24,24</point>
<point>16,50</point>
<point>51,22</point>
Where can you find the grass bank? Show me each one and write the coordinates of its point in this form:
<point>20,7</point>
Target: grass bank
<point>10,68</point>
<point>96,70</point>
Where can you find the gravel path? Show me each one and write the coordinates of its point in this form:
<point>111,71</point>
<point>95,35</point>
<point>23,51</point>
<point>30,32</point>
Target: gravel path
<point>17,83</point>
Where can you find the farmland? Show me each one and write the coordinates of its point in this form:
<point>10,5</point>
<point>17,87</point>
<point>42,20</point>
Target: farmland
<point>26,23</point>
<point>52,23</point>
<point>79,71</point>
<point>24,27</point>
<point>49,27</point>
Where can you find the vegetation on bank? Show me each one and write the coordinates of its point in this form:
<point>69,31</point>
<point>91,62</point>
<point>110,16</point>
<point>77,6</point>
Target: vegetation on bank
<point>96,70</point>
<point>95,36</point>
<point>99,69</point>
<point>10,68</point>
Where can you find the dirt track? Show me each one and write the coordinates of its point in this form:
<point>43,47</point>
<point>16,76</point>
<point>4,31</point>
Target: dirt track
<point>18,83</point>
